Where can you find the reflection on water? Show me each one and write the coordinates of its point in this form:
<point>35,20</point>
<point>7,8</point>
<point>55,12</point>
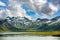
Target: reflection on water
<point>26,37</point>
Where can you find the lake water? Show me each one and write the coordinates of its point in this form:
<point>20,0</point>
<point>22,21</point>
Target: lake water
<point>29,37</point>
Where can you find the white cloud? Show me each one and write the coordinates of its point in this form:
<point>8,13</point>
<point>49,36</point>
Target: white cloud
<point>49,10</point>
<point>56,2</point>
<point>2,14</point>
<point>43,6</point>
<point>14,9</point>
<point>2,4</point>
<point>54,8</point>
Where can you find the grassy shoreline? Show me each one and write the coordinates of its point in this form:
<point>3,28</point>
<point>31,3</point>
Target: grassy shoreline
<point>31,33</point>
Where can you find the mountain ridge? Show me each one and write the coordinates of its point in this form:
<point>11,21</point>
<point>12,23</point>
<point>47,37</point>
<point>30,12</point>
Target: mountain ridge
<point>18,24</point>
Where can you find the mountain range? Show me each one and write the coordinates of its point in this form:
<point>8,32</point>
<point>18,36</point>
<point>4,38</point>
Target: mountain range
<point>21,24</point>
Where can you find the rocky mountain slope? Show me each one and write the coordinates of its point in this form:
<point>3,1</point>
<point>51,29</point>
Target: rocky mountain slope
<point>21,24</point>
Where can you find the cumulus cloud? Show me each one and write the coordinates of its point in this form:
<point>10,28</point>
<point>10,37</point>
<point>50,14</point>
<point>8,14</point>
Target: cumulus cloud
<point>47,9</point>
<point>56,2</point>
<point>4,13</point>
<point>14,9</point>
<point>2,4</point>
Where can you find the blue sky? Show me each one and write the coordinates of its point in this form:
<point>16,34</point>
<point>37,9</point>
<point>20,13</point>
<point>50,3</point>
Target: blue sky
<point>29,11</point>
<point>32,13</point>
<point>6,2</point>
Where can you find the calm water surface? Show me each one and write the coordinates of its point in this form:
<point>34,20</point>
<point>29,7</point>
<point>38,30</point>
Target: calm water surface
<point>29,37</point>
